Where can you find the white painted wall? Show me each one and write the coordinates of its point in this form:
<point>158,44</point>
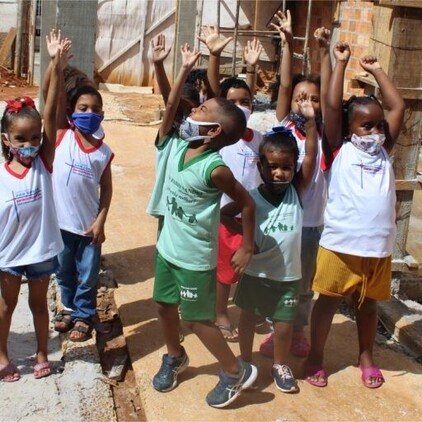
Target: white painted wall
<point>8,13</point>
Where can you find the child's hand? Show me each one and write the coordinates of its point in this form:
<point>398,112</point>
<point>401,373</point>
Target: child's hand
<point>54,40</point>
<point>211,38</point>
<point>370,63</point>
<point>240,260</point>
<point>322,35</point>
<point>252,52</point>
<point>342,51</point>
<point>284,25</point>
<point>65,55</point>
<point>305,106</point>
<point>96,231</point>
<point>189,57</point>
<point>159,52</point>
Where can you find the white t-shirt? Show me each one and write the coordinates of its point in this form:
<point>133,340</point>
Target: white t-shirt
<point>360,213</point>
<point>29,231</point>
<point>314,197</point>
<point>242,158</point>
<point>76,181</point>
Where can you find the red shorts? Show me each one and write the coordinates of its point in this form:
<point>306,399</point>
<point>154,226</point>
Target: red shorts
<point>228,243</point>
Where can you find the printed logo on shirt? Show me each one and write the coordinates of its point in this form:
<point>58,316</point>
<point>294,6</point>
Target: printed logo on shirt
<point>179,212</point>
<point>24,197</point>
<point>291,302</point>
<point>371,168</point>
<point>249,159</point>
<point>189,293</point>
<point>79,169</point>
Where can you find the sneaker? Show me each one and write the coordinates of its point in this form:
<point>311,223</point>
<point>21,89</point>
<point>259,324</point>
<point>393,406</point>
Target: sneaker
<point>229,387</point>
<point>283,379</point>
<point>267,346</point>
<point>166,378</point>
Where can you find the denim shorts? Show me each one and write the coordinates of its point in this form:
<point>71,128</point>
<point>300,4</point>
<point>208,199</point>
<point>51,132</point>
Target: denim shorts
<point>34,271</point>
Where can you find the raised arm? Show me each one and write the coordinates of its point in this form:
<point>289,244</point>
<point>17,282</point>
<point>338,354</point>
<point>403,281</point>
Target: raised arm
<point>251,54</point>
<point>305,174</point>
<point>334,112</point>
<point>322,36</point>
<point>215,44</point>
<point>284,26</point>
<point>390,96</point>
<point>50,108</point>
<point>189,59</point>
<point>224,180</point>
<point>159,54</point>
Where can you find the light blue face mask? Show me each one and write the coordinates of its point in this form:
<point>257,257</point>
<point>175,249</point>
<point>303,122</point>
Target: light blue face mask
<point>189,130</point>
<point>25,155</point>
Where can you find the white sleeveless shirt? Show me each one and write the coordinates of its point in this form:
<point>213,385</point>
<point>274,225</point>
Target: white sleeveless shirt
<point>76,181</point>
<point>360,212</point>
<point>29,232</point>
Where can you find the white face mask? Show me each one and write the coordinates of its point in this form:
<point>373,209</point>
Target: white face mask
<point>371,144</point>
<point>246,112</point>
<point>189,130</point>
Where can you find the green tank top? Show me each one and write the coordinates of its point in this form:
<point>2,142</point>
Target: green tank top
<point>190,232</point>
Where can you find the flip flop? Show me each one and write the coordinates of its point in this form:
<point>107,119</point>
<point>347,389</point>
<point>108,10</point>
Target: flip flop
<point>42,370</point>
<point>84,330</point>
<point>374,373</point>
<point>229,333</point>
<point>63,321</point>
<point>316,371</point>
<point>9,373</point>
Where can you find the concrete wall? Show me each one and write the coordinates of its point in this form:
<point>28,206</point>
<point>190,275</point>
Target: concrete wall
<point>8,13</point>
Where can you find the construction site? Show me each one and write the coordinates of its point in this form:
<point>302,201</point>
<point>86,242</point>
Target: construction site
<point>108,378</point>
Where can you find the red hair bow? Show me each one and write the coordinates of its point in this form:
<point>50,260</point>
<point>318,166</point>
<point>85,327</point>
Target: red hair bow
<point>17,104</point>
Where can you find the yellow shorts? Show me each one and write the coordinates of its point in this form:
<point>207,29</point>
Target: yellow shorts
<point>339,274</point>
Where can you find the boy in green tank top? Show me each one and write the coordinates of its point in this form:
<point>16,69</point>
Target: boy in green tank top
<point>194,180</point>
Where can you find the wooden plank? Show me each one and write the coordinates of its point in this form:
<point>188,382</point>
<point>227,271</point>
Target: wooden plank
<point>402,3</point>
<point>7,45</point>
<point>413,184</point>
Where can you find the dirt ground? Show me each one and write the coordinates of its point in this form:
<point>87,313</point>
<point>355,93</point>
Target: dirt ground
<point>129,253</point>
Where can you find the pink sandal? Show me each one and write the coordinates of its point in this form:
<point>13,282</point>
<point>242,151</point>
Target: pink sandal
<point>372,377</point>
<point>42,370</point>
<point>315,375</point>
<point>9,373</point>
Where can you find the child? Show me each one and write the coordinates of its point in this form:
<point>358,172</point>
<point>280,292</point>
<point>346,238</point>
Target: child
<point>83,189</point>
<point>241,158</point>
<point>354,257</point>
<point>289,115</point>
<point>194,179</point>
<point>269,287</point>
<point>30,237</point>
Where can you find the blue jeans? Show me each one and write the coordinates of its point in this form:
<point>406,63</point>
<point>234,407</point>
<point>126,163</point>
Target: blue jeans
<point>310,243</point>
<point>79,266</point>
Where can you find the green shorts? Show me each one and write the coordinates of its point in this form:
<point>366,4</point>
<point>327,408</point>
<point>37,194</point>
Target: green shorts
<point>277,300</point>
<point>194,291</point>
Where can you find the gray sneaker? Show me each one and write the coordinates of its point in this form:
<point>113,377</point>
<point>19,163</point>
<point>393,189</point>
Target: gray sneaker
<point>229,387</point>
<point>284,379</point>
<point>166,378</point>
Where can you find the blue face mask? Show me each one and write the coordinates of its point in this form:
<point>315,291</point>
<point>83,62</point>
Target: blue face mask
<point>87,123</point>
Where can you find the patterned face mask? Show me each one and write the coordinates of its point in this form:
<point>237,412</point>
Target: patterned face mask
<point>300,121</point>
<point>25,155</point>
<point>371,144</point>
<point>189,130</point>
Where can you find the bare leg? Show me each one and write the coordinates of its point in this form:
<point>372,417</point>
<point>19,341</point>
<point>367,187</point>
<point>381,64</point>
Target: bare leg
<point>213,340</point>
<point>282,338</point>
<point>168,316</point>
<point>366,321</point>
<point>246,334</point>
<point>9,292</point>
<point>222,299</point>
<point>38,304</point>
<point>321,320</point>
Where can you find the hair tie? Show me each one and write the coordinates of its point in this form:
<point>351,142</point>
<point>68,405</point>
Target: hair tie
<point>277,130</point>
<point>17,104</point>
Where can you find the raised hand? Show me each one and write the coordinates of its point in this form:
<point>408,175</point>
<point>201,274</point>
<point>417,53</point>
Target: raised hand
<point>342,51</point>
<point>189,57</point>
<point>305,105</point>
<point>283,25</point>
<point>369,63</point>
<point>54,41</point>
<point>159,51</point>
<point>322,35</point>
<point>212,39</point>
<point>252,52</point>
